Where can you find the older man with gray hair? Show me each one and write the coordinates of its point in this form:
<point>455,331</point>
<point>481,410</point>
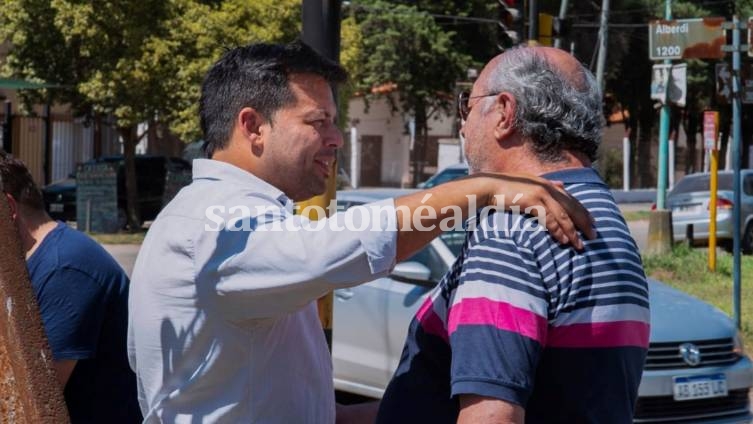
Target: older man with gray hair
<point>524,328</point>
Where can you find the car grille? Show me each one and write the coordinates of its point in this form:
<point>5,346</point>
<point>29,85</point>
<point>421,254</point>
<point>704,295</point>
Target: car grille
<point>662,356</point>
<point>665,409</point>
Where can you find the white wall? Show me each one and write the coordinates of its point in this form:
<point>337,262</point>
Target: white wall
<point>381,120</point>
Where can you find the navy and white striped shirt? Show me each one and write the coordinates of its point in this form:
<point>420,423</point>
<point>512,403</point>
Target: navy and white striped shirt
<point>521,318</point>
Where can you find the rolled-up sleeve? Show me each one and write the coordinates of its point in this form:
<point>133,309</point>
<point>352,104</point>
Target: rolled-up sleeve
<point>273,265</point>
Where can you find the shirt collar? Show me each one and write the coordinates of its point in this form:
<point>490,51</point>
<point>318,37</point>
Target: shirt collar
<point>575,176</point>
<point>215,170</point>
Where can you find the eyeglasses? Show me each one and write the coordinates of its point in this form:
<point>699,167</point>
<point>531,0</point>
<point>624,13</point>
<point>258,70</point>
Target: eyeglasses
<point>463,98</point>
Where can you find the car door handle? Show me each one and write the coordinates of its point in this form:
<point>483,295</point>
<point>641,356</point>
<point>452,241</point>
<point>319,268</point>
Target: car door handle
<point>344,294</point>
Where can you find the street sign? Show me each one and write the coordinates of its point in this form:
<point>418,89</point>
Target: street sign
<point>674,89</point>
<point>700,38</point>
<point>710,129</point>
<point>724,83</point>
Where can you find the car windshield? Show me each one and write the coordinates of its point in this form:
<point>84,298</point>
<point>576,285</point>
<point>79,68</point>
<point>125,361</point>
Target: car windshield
<point>693,183</point>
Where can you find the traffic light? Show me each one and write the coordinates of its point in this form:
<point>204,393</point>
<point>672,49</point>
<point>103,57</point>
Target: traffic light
<point>509,16</point>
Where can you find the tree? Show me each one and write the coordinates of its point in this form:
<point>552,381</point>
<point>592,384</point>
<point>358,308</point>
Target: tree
<point>135,61</point>
<point>406,47</point>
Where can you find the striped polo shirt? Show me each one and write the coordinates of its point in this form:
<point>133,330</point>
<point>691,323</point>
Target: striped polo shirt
<point>522,318</point>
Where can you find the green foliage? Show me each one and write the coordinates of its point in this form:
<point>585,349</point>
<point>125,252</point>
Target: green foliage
<point>477,39</point>
<point>134,60</point>
<point>687,269</point>
<point>404,46</point>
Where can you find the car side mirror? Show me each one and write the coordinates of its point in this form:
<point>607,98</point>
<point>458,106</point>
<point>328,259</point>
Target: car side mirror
<point>412,272</point>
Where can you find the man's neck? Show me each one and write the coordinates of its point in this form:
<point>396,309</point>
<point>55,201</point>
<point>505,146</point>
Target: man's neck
<point>528,163</point>
<point>33,232</point>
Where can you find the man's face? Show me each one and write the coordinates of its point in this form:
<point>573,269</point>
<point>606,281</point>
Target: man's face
<point>478,129</point>
<point>304,139</point>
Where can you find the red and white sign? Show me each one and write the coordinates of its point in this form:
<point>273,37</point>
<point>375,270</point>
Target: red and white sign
<point>710,129</point>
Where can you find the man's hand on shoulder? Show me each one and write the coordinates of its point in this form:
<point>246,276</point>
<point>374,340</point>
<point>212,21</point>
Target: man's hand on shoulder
<point>482,409</point>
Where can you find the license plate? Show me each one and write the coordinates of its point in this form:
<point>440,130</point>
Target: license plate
<point>700,387</point>
<point>56,207</point>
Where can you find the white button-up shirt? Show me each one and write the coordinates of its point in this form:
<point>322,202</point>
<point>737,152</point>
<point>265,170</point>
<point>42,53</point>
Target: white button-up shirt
<point>223,324</point>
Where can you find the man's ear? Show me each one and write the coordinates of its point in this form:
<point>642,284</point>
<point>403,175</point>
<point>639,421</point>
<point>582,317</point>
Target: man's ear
<point>504,106</point>
<point>250,123</point>
<point>13,207</point>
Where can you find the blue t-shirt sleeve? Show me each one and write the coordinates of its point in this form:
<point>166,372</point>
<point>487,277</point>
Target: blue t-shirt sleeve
<point>497,322</point>
<point>72,305</point>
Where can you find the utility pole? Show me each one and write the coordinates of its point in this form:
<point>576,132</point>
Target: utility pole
<point>321,31</point>
<point>660,237</point>
<point>533,19</point>
<point>603,34</point>
<point>562,16</point>
<point>661,189</point>
<point>736,153</point>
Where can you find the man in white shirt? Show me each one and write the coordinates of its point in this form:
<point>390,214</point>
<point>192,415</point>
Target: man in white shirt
<point>223,325</point>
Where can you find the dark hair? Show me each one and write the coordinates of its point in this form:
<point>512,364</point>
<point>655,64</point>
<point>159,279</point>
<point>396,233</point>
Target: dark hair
<point>255,76</point>
<point>16,180</point>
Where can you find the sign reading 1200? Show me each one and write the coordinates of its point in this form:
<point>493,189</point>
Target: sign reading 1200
<point>686,38</point>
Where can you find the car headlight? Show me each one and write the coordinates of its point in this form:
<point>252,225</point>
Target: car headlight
<point>738,344</point>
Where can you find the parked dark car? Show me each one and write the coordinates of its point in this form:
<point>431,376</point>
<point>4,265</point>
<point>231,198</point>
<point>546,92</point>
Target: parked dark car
<point>154,189</point>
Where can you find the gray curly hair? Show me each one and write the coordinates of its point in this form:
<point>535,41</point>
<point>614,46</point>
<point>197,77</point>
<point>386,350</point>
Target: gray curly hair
<point>555,111</point>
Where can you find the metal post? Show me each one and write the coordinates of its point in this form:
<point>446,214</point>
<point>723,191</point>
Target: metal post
<point>626,162</point>
<point>562,15</point>
<point>321,31</point>
<point>661,183</point>
<point>603,36</point>
<point>736,136</point>
<point>660,237</point>
<point>7,132</point>
<point>355,158</point>
<point>533,19</point>
<point>713,187</point>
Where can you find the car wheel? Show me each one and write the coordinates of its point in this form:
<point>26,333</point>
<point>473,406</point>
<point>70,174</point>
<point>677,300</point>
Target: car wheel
<point>747,240</point>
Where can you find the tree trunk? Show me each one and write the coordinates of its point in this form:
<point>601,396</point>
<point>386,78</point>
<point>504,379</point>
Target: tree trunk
<point>419,148</point>
<point>645,140</point>
<point>675,119</point>
<point>129,135</point>
<point>747,133</point>
<point>691,131</point>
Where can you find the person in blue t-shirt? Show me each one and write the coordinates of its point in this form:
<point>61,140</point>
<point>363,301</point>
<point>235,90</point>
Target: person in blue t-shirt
<point>83,298</point>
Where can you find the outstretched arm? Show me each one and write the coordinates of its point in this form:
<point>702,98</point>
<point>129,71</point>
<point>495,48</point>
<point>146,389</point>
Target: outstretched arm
<point>559,212</point>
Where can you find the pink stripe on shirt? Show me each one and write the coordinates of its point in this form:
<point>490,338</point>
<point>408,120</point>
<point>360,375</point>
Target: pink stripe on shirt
<point>600,334</point>
<point>430,321</point>
<point>501,315</point>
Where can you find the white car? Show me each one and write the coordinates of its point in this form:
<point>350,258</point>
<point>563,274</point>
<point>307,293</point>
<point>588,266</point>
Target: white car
<point>695,371</point>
